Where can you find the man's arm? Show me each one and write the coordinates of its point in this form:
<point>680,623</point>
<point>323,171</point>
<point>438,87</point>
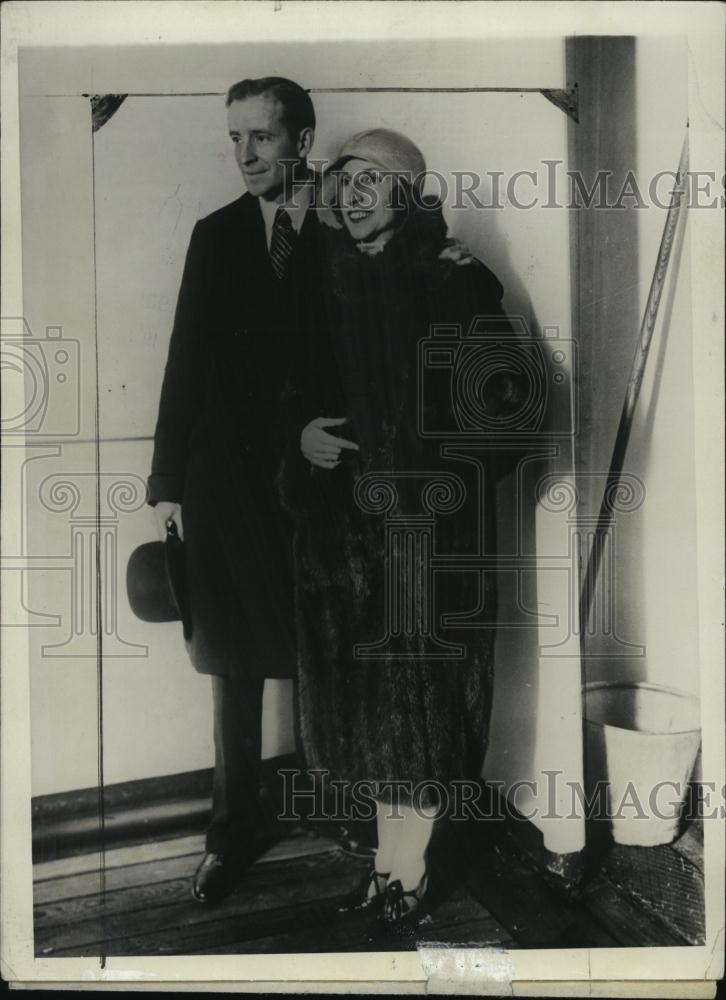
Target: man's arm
<point>183,385</point>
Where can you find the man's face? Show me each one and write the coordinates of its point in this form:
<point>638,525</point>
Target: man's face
<point>261,141</point>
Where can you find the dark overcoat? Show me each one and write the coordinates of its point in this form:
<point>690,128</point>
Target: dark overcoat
<point>218,436</point>
<point>406,715</point>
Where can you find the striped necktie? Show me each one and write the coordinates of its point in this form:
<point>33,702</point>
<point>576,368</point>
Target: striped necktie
<point>282,241</point>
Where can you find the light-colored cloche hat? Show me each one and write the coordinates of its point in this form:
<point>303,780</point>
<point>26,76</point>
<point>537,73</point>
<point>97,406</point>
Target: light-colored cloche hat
<point>388,150</point>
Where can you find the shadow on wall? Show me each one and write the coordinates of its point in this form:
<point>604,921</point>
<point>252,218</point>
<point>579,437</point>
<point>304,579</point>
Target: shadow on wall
<point>516,695</point>
<point>492,235</point>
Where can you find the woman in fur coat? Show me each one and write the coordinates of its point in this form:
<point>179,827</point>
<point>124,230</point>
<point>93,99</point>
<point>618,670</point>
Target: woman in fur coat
<point>408,720</point>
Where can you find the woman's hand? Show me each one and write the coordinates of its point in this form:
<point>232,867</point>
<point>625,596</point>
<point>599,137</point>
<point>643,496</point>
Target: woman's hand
<point>319,447</point>
<point>458,252</point>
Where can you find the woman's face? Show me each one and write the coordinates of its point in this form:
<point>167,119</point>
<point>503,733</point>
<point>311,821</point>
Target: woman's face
<point>367,200</point>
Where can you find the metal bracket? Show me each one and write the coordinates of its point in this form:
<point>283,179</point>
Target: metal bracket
<point>566,100</point>
<point>103,107</point>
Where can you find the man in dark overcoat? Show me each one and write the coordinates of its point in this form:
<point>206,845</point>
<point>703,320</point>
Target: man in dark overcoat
<point>250,309</point>
<point>247,295</point>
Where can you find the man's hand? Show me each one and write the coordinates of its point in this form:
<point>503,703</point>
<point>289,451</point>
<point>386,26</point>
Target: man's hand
<point>319,447</point>
<point>166,511</point>
<point>458,252</point>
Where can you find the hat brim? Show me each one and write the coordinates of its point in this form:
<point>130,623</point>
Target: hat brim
<point>156,583</point>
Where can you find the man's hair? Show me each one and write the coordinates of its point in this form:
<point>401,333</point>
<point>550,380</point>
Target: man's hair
<point>297,108</point>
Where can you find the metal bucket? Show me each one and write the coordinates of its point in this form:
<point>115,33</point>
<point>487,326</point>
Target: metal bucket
<point>642,739</point>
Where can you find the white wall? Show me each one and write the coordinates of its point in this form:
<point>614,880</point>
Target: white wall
<point>160,163</point>
<point>662,446</point>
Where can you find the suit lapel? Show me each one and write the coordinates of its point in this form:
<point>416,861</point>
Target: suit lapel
<point>253,289</point>
<point>251,243</point>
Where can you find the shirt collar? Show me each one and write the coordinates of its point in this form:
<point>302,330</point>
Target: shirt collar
<point>296,207</point>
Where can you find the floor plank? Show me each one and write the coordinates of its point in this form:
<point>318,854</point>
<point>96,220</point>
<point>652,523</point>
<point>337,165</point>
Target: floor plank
<point>483,892</point>
<point>259,883</point>
<point>294,844</point>
<point>117,857</point>
<point>89,883</point>
<point>286,904</point>
<point>164,868</point>
<point>260,899</point>
<point>630,925</point>
<point>309,927</point>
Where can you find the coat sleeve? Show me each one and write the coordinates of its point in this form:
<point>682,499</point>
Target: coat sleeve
<point>472,298</point>
<point>474,293</point>
<point>303,402</point>
<point>313,390</point>
<point>184,377</point>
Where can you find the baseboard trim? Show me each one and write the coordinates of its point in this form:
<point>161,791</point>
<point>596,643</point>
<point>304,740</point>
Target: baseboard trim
<point>134,812</point>
<point>127,794</point>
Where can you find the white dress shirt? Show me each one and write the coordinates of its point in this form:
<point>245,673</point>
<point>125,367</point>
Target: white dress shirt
<point>296,208</point>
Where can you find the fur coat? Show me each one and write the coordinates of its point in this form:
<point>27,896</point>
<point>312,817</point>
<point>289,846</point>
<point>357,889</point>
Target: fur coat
<point>407,715</point>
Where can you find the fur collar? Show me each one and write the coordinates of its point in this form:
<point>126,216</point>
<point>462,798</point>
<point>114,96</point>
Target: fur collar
<point>412,252</point>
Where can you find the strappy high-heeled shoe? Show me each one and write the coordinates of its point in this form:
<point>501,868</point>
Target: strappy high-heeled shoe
<point>401,912</point>
<point>361,899</point>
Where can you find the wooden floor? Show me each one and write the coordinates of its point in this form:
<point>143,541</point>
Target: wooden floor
<point>486,895</point>
<point>286,903</point>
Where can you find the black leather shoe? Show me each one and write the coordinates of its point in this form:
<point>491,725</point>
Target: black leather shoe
<point>216,877</point>
<point>401,913</point>
<point>361,899</point>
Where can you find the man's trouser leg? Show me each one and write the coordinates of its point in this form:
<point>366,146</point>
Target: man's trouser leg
<point>236,816</point>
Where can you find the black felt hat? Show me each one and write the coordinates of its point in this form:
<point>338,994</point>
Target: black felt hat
<point>156,582</point>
